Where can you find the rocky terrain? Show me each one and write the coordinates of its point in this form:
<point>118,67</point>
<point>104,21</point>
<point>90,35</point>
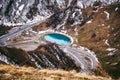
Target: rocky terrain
<point>28,11</point>
<point>46,56</point>
<point>99,33</point>
<point>92,24</point>
<point>102,35</point>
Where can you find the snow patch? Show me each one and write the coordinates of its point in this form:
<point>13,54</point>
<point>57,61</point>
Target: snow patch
<point>106,42</point>
<point>108,26</point>
<point>111,49</point>
<point>0,5</point>
<point>108,15</point>
<point>76,31</point>
<point>13,24</point>
<point>37,20</point>
<point>18,13</point>
<point>69,2</point>
<point>4,58</point>
<point>21,7</point>
<point>103,24</point>
<point>89,22</point>
<point>116,8</point>
<point>110,54</point>
<point>79,3</point>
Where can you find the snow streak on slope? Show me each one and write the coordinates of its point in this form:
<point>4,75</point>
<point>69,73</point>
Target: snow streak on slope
<point>26,11</point>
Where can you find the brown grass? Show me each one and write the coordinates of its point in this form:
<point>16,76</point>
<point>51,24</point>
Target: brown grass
<point>8,72</point>
<point>93,36</point>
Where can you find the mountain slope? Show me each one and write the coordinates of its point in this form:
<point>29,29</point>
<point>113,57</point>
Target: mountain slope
<point>29,73</point>
<point>101,34</point>
<point>96,27</point>
<point>45,56</point>
<point>22,11</point>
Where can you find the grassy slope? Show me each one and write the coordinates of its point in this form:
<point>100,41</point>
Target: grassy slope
<point>8,72</point>
<point>94,35</point>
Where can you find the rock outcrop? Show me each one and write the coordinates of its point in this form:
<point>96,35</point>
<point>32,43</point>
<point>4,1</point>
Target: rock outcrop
<point>24,11</point>
<point>45,56</point>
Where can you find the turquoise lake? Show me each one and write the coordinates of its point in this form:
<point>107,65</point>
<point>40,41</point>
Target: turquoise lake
<point>58,39</point>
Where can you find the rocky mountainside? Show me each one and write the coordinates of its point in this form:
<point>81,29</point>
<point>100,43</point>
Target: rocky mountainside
<point>99,33</point>
<point>25,11</point>
<point>92,23</point>
<point>45,56</point>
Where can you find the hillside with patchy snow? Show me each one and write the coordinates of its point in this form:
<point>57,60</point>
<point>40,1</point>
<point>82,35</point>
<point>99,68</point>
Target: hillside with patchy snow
<point>91,23</point>
<point>26,11</point>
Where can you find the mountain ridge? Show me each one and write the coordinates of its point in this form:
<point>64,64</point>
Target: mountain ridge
<point>21,12</point>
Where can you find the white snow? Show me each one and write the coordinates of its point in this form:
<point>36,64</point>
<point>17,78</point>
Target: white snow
<point>79,3</point>
<point>17,4</point>
<point>110,54</point>
<point>111,49</point>
<point>103,24</point>
<point>75,23</point>
<point>64,31</point>
<point>0,5</point>
<point>21,7</point>
<point>73,15</point>
<point>106,42</point>
<point>38,19</point>
<point>69,2</point>
<point>36,63</point>
<point>108,15</point>
<point>62,25</point>
<point>108,26</point>
<point>19,0</point>
<point>27,32</point>
<point>116,8</point>
<point>61,3</point>
<point>76,31</point>
<point>17,13</point>
<point>13,24</point>
<point>89,22</point>
<point>3,58</point>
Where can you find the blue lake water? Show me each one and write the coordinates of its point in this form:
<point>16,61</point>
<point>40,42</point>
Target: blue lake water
<point>58,39</point>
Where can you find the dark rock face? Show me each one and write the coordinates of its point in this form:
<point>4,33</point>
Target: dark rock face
<point>45,56</point>
<point>22,11</point>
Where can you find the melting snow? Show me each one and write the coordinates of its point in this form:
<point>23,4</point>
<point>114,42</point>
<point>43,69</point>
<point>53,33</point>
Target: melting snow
<point>76,31</point>
<point>111,49</point>
<point>18,13</point>
<point>3,58</point>
<point>108,26</point>
<point>21,7</point>
<point>69,2</point>
<point>103,24</point>
<point>89,22</point>
<point>0,5</point>
<point>110,54</point>
<point>13,24</point>
<point>116,8</point>
<point>79,3</point>
<point>106,42</point>
<point>108,15</point>
<point>17,4</point>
